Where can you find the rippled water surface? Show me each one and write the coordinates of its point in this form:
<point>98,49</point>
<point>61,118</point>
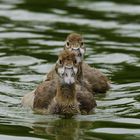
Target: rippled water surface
<point>32,32</point>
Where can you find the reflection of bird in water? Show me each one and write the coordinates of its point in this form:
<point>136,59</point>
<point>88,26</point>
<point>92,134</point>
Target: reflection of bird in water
<point>98,81</point>
<point>62,129</point>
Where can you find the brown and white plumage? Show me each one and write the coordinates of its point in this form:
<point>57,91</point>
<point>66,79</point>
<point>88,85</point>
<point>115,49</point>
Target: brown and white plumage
<point>99,82</point>
<point>57,98</point>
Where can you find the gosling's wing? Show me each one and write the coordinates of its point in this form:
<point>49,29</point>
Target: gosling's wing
<point>44,94</point>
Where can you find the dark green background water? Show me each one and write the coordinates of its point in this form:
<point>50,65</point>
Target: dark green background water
<point>32,32</point>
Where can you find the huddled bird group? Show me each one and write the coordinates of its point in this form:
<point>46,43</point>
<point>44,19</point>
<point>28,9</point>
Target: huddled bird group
<point>69,88</point>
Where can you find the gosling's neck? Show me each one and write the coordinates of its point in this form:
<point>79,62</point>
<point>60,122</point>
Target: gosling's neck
<point>66,94</point>
<point>65,101</point>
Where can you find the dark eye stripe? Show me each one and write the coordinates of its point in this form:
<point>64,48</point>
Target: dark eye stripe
<point>82,43</point>
<point>68,43</point>
<point>60,61</point>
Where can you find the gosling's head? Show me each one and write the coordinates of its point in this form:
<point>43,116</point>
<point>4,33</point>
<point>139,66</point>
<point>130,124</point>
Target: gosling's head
<point>75,43</point>
<point>67,67</point>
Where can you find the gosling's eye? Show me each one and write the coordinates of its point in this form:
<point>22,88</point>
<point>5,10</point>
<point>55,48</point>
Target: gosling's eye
<point>82,43</point>
<point>75,62</point>
<point>66,74</point>
<point>60,61</point>
<point>68,44</point>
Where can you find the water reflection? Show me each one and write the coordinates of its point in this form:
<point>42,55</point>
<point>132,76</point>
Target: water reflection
<point>59,129</point>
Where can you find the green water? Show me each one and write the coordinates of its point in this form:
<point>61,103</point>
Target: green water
<point>32,32</point>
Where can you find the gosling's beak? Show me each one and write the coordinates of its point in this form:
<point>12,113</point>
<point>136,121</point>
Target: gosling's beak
<point>69,77</point>
<point>79,54</point>
<point>77,51</point>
